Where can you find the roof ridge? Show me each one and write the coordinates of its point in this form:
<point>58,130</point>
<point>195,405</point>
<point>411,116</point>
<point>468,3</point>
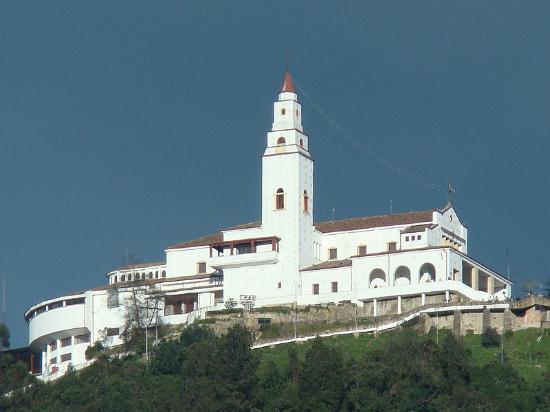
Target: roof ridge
<point>380,216</point>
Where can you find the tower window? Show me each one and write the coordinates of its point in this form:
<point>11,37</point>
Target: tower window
<point>306,201</point>
<point>283,111</point>
<point>281,140</point>
<point>302,143</point>
<point>280,199</point>
<point>279,285</point>
<point>333,253</point>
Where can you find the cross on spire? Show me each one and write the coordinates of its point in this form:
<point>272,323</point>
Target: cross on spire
<point>450,193</point>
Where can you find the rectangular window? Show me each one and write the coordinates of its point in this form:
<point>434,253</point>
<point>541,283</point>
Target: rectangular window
<point>332,253</point>
<point>65,357</point>
<point>419,237</point>
<point>82,339</point>
<point>53,345</point>
<point>201,267</point>
<point>316,289</point>
<point>112,331</point>
<point>392,247</point>
<point>334,287</point>
<point>76,301</point>
<point>279,285</point>
<point>413,237</point>
<point>53,360</point>
<point>66,342</point>
<point>112,298</point>
<point>55,305</point>
<point>264,321</point>
<point>362,250</point>
<point>406,238</point>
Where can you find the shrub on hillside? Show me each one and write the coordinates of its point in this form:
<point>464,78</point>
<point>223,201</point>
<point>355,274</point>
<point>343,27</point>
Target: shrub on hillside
<point>490,337</point>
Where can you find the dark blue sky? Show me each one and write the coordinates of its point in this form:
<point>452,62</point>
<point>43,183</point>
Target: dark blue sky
<point>134,125</point>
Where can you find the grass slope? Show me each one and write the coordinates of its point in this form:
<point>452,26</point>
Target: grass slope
<point>529,357</point>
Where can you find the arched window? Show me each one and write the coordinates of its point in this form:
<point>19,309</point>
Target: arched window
<point>280,199</point>
<point>116,278</point>
<point>306,201</point>
<point>301,143</point>
<point>377,279</point>
<point>427,273</point>
<point>122,278</point>
<point>402,276</point>
<point>281,140</point>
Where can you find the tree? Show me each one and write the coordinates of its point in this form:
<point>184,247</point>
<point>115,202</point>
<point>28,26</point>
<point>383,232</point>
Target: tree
<point>142,306</point>
<point>321,380</point>
<point>4,336</point>
<point>490,337</point>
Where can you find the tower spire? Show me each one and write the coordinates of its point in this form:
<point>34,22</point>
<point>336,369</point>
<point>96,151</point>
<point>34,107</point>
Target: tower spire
<point>288,86</point>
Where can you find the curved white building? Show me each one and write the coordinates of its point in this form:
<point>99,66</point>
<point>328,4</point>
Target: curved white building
<point>407,258</point>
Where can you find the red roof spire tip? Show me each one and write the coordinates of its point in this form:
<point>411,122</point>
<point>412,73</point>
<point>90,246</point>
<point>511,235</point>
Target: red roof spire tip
<point>287,86</point>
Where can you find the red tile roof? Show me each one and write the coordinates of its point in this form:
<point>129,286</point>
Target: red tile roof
<point>330,264</point>
<point>370,222</point>
<point>213,238</point>
<point>418,228</point>
<point>139,265</point>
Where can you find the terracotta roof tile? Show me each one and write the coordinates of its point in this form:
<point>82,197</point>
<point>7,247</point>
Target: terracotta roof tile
<point>213,238</point>
<point>250,225</point>
<point>330,264</point>
<point>140,265</point>
<point>202,241</point>
<point>370,222</point>
<point>417,228</point>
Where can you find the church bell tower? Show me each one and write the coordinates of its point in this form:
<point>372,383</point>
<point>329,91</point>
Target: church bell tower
<point>287,180</point>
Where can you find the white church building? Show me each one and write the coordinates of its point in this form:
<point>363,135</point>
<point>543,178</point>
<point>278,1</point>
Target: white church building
<point>286,258</point>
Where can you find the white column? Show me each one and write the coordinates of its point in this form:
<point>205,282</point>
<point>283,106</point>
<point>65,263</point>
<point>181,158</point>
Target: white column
<point>375,308</point>
<point>447,295</point>
<point>399,305</point>
<point>423,299</point>
<point>475,279</point>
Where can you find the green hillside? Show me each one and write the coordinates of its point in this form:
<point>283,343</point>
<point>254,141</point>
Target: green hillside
<point>521,350</point>
<point>400,371</point>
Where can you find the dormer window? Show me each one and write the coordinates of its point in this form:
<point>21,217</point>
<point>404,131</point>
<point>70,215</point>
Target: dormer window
<point>280,199</point>
<point>281,140</point>
<point>306,202</point>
